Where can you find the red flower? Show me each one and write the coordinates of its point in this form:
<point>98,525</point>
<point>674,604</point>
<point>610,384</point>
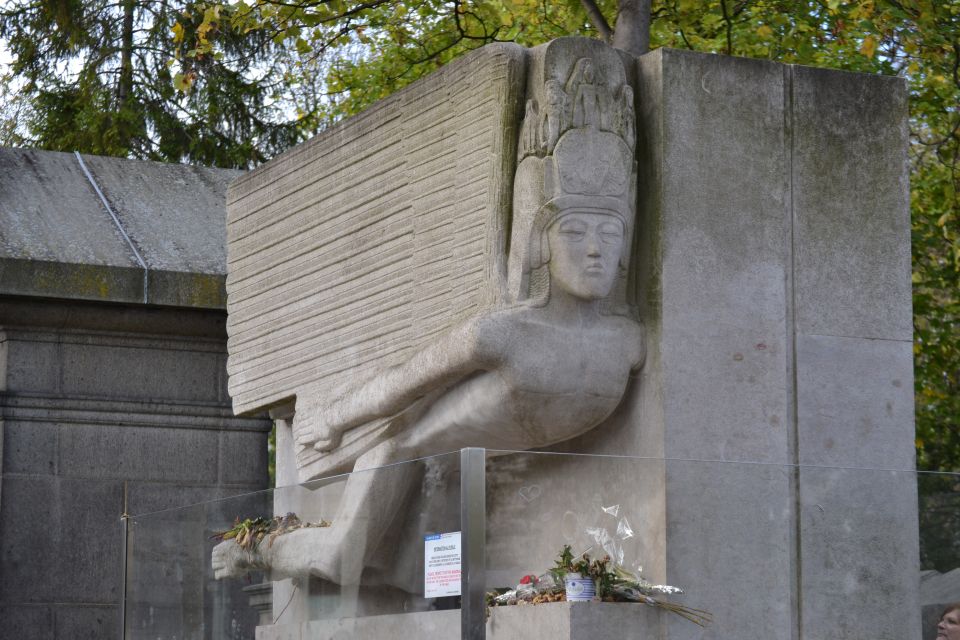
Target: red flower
<point>529,579</point>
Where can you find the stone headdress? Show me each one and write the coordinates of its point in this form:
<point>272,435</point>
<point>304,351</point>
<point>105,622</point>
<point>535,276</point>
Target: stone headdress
<point>575,153</point>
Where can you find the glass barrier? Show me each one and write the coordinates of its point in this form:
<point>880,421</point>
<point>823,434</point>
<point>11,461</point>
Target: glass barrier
<point>272,559</point>
<point>686,549</point>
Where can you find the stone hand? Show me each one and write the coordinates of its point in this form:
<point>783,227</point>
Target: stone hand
<point>230,561</point>
<point>327,436</point>
<point>318,428</point>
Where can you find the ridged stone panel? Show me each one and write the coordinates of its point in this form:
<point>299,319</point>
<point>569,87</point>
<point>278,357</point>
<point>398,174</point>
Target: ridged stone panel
<point>349,251</point>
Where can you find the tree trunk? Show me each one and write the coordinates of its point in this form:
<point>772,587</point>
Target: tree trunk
<point>125,83</point>
<point>632,33</point>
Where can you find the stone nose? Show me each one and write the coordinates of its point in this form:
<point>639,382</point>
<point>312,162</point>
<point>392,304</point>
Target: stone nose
<point>593,245</point>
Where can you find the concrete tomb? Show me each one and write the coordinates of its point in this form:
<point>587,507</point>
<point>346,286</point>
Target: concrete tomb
<point>678,257</point>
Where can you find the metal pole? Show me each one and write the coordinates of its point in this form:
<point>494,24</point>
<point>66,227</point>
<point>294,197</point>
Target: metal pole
<point>124,540</point>
<point>473,525</point>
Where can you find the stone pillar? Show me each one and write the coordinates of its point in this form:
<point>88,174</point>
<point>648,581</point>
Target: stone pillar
<point>777,296</point>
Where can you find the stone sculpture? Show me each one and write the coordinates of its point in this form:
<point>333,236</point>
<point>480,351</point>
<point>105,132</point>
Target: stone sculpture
<point>549,365</point>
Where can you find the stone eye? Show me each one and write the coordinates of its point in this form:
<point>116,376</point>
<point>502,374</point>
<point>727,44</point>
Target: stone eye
<point>610,238</point>
<point>572,231</point>
<point>610,234</point>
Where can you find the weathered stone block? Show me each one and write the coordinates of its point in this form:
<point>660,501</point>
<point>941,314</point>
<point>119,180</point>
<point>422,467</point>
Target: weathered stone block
<point>32,362</point>
<point>29,447</point>
<point>851,203</point>
<point>25,621</point>
<point>87,623</point>
<point>52,214</point>
<point>860,568</point>
<point>60,240</point>
<point>716,198</point>
<point>243,459</point>
<point>730,532</point>
<point>135,371</point>
<point>149,199</point>
<point>777,241</point>
<point>855,402</point>
<point>99,451</point>
<point>30,539</point>
<point>88,566</point>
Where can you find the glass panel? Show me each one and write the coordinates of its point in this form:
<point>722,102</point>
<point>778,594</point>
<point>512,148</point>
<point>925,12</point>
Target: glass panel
<point>939,508</point>
<point>314,537</point>
<point>759,550</point>
<point>766,549</point>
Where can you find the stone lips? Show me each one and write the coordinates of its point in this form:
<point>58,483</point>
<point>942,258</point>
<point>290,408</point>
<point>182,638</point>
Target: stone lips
<point>329,280</point>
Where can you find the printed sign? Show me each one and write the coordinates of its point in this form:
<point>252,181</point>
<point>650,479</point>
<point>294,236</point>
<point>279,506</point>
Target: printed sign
<point>441,565</point>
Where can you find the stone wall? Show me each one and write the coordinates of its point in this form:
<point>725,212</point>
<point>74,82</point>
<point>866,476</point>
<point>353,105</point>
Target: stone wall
<point>777,293</point>
<point>112,376</point>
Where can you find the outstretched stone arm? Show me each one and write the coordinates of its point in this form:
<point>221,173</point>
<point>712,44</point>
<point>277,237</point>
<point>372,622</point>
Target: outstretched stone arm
<point>468,348</point>
<point>293,554</point>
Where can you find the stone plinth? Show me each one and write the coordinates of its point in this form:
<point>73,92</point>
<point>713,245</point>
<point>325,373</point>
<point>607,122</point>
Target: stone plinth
<point>555,621</point>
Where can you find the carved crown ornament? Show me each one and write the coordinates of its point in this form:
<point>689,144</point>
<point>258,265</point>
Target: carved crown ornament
<point>575,153</point>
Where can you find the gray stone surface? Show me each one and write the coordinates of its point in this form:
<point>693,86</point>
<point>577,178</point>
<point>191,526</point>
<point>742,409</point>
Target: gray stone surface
<point>312,247</point>
<point>778,241</point>
<point>29,448</point>
<point>100,407</point>
<point>52,214</point>
<point>25,621</point>
<point>174,213</point>
<point>719,196</point>
<point>30,538</point>
<point>851,204</point>
<point>858,538</point>
<point>189,456</point>
<point>242,457</point>
<point>729,545</point>
<point>855,402</point>
<point>57,238</point>
<point>556,621</point>
<point>716,195</point>
<point>86,623</point>
<point>88,567</point>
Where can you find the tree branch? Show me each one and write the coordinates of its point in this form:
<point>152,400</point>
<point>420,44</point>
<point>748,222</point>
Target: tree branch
<point>728,21</point>
<point>597,19</point>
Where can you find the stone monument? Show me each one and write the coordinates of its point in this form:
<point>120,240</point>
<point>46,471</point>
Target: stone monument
<point>548,365</point>
<point>697,259</point>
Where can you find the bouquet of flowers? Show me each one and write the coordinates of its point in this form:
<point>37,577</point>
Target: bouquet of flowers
<point>614,584</point>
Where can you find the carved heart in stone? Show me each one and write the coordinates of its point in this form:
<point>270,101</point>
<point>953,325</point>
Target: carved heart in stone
<point>531,493</point>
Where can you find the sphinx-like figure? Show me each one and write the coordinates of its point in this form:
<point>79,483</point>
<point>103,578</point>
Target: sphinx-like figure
<point>549,366</point>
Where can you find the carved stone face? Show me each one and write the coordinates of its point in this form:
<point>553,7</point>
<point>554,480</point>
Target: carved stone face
<point>584,253</point>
